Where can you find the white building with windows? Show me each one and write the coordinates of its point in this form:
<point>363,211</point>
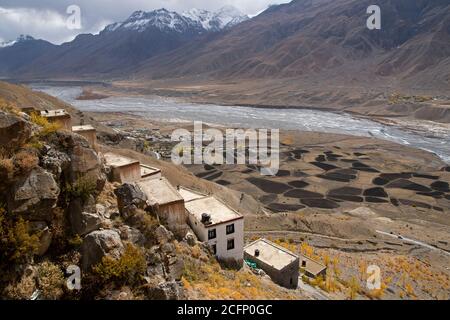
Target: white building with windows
<point>216,224</point>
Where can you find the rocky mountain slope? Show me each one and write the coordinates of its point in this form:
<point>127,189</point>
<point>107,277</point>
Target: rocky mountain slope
<point>58,211</point>
<point>119,47</point>
<point>321,40</point>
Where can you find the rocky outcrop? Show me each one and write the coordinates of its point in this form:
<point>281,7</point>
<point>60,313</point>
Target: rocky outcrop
<point>163,235</point>
<point>85,218</point>
<point>35,195</point>
<point>165,291</point>
<point>132,235</point>
<point>98,244</point>
<point>55,162</point>
<point>84,161</point>
<point>14,131</point>
<point>129,199</point>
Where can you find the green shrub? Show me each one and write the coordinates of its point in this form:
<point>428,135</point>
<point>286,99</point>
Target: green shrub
<point>82,188</point>
<point>128,269</point>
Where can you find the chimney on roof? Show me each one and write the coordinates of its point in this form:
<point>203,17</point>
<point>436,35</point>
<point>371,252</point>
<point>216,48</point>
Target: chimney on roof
<point>206,218</point>
<point>257,253</point>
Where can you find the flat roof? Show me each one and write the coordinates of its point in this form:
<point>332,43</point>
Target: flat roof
<point>189,195</point>
<point>87,127</point>
<point>147,170</point>
<point>54,113</point>
<point>220,212</point>
<point>116,160</point>
<point>159,191</point>
<point>312,266</point>
<point>271,253</point>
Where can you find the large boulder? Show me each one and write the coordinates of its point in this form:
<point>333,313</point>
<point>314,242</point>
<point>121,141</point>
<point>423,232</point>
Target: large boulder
<point>83,221</point>
<point>130,198</point>
<point>34,195</point>
<point>98,244</point>
<point>14,131</point>
<point>84,161</point>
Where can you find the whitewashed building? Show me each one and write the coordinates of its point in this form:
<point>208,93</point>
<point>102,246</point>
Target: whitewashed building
<point>216,224</point>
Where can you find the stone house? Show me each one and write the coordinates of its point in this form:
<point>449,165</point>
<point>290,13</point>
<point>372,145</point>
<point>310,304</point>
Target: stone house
<point>279,263</point>
<point>123,169</point>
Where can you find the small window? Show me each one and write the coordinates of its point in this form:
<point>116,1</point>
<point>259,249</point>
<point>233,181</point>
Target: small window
<point>212,234</point>
<point>230,229</point>
<point>230,244</point>
<point>214,249</point>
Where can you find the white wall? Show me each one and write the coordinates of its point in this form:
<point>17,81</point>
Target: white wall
<point>222,238</point>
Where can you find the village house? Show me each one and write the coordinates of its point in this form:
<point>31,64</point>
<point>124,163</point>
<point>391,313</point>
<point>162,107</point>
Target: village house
<point>216,224</point>
<point>123,169</point>
<point>88,132</point>
<point>166,203</point>
<point>312,268</point>
<point>148,172</point>
<point>60,117</point>
<point>279,263</point>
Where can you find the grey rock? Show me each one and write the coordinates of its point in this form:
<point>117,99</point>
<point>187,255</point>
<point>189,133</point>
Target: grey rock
<point>85,162</point>
<point>132,235</point>
<point>163,235</point>
<point>176,268</point>
<point>130,198</point>
<point>14,131</point>
<point>168,248</point>
<point>166,291</point>
<point>190,239</point>
<point>98,244</point>
<point>82,221</point>
<point>55,162</point>
<point>35,195</point>
<point>156,271</point>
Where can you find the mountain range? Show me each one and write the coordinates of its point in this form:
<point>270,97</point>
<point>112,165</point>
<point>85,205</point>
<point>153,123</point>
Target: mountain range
<point>118,47</point>
<point>310,39</point>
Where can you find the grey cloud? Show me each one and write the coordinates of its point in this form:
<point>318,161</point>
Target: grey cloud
<point>40,18</point>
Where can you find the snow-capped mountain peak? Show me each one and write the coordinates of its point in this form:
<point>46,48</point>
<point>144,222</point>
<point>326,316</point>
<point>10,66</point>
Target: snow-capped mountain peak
<point>194,20</point>
<point>161,19</point>
<point>225,17</point>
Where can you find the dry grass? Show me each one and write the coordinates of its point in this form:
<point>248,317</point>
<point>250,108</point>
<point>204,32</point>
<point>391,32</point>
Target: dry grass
<point>50,280</point>
<point>47,127</point>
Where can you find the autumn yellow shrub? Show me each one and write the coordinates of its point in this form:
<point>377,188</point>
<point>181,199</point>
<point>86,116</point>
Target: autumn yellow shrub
<point>47,127</point>
<point>353,288</point>
<point>16,242</point>
<point>128,269</point>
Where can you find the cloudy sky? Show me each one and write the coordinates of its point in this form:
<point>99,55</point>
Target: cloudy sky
<point>46,19</point>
